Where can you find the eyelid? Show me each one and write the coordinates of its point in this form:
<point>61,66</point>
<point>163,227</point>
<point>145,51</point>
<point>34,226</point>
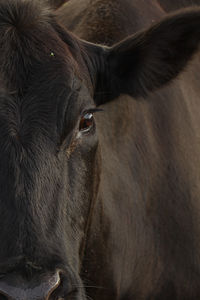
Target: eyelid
<point>91,110</point>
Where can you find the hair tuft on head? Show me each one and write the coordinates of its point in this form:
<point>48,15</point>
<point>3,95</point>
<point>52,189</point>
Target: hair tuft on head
<point>23,14</point>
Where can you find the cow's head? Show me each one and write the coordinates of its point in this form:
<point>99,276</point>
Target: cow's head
<point>51,85</point>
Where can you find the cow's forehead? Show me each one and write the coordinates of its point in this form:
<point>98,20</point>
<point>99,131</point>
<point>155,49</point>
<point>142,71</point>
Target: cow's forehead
<point>30,46</point>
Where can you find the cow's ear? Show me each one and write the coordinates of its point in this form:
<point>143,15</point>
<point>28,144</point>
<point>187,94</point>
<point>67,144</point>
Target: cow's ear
<point>148,60</point>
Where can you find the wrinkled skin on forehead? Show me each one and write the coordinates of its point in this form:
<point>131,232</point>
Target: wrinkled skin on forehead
<point>99,189</point>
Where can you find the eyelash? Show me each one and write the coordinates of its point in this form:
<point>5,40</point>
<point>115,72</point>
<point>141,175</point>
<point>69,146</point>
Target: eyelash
<point>91,111</point>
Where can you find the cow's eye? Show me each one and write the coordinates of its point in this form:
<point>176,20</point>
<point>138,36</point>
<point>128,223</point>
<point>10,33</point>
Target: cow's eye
<point>86,122</point>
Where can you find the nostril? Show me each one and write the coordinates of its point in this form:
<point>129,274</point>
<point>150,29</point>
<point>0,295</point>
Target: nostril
<point>54,284</point>
<point>51,285</point>
<point>14,287</point>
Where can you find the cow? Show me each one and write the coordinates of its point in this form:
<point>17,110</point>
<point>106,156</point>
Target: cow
<point>108,22</point>
<point>99,152</point>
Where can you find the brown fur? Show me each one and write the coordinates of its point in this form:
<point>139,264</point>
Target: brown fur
<point>157,139</point>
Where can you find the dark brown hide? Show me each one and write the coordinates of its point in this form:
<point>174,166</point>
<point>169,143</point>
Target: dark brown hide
<point>144,238</point>
<point>108,21</point>
<point>99,191</point>
<point>56,3</point>
<point>170,5</point>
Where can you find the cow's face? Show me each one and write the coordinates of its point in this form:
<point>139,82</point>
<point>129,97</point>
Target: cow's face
<point>49,178</point>
<point>49,153</point>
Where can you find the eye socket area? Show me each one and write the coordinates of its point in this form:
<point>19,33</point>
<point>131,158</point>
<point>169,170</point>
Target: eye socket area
<point>86,122</point>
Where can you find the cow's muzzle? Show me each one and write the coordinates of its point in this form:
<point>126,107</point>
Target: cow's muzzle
<point>15,287</point>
